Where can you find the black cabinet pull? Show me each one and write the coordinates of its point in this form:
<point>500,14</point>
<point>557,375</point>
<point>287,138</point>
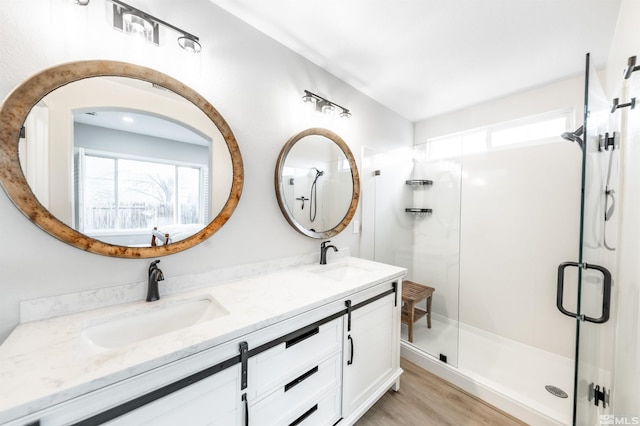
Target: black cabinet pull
<point>351,357</point>
<point>246,409</point>
<point>306,414</point>
<point>302,337</point>
<point>300,379</point>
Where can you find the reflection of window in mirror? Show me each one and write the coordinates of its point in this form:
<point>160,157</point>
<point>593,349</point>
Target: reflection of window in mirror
<point>129,182</point>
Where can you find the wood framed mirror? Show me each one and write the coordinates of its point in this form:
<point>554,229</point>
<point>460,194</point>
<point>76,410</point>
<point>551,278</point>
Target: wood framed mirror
<point>72,164</point>
<point>317,183</point>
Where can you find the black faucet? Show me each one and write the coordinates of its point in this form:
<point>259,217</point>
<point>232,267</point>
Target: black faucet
<point>155,275</point>
<point>323,251</point>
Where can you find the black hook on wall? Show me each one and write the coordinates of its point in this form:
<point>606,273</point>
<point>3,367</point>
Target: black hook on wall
<point>631,67</point>
<point>617,104</point>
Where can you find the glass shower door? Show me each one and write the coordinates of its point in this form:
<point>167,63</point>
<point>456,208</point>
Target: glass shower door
<point>594,332</point>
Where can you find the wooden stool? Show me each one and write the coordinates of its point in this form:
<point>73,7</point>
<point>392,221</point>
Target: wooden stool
<point>413,293</point>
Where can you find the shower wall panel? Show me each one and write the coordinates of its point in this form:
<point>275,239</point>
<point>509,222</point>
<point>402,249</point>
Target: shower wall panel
<point>519,220</point>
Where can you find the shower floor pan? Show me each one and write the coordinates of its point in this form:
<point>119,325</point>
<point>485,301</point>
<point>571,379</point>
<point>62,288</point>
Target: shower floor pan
<point>505,373</point>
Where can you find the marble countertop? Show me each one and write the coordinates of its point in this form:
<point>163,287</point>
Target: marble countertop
<point>42,363</point>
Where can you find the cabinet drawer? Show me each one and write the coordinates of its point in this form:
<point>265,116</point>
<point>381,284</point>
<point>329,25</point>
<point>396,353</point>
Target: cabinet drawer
<point>281,364</point>
<point>299,394</point>
<point>322,410</point>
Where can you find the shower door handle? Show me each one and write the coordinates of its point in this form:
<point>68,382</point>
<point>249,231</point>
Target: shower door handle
<point>560,289</point>
<point>606,294</point>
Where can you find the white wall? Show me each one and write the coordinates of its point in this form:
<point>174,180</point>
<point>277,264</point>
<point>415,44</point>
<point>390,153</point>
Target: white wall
<point>519,219</point>
<point>559,95</point>
<point>626,43</point>
<point>255,83</point>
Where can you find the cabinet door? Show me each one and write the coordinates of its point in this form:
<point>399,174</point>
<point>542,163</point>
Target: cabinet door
<point>211,401</point>
<point>370,355</point>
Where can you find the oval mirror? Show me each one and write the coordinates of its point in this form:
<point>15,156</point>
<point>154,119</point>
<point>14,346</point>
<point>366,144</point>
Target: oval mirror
<point>317,183</point>
<point>118,159</point>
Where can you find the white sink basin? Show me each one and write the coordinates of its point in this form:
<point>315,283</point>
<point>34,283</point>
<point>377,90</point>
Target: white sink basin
<point>149,319</point>
<point>340,272</point>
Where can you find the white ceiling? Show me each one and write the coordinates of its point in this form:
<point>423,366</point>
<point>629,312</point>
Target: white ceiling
<point>422,58</point>
<point>142,123</point>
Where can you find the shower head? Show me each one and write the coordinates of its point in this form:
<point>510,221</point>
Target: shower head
<point>575,136</point>
<point>318,172</point>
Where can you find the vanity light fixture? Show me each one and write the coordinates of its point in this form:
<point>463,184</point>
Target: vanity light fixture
<point>82,2</point>
<point>136,22</point>
<point>324,105</point>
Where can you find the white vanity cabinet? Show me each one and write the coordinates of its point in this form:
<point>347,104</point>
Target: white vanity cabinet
<point>332,370</point>
<point>324,365</point>
<point>371,357</point>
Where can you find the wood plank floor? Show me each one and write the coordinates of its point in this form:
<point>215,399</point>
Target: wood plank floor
<point>427,400</point>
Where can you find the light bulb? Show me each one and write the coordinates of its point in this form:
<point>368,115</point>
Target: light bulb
<point>136,25</point>
<point>189,44</point>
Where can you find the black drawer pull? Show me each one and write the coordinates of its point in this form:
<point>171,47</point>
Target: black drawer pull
<point>300,419</point>
<point>302,337</point>
<point>300,379</point>
<point>246,409</point>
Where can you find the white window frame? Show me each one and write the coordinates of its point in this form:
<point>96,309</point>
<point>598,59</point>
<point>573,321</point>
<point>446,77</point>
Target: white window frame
<point>203,196</point>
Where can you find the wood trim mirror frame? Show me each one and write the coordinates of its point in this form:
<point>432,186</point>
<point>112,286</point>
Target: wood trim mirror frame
<point>17,106</point>
<point>280,188</point>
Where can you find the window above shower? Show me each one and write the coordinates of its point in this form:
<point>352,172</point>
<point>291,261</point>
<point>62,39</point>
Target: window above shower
<point>532,130</point>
